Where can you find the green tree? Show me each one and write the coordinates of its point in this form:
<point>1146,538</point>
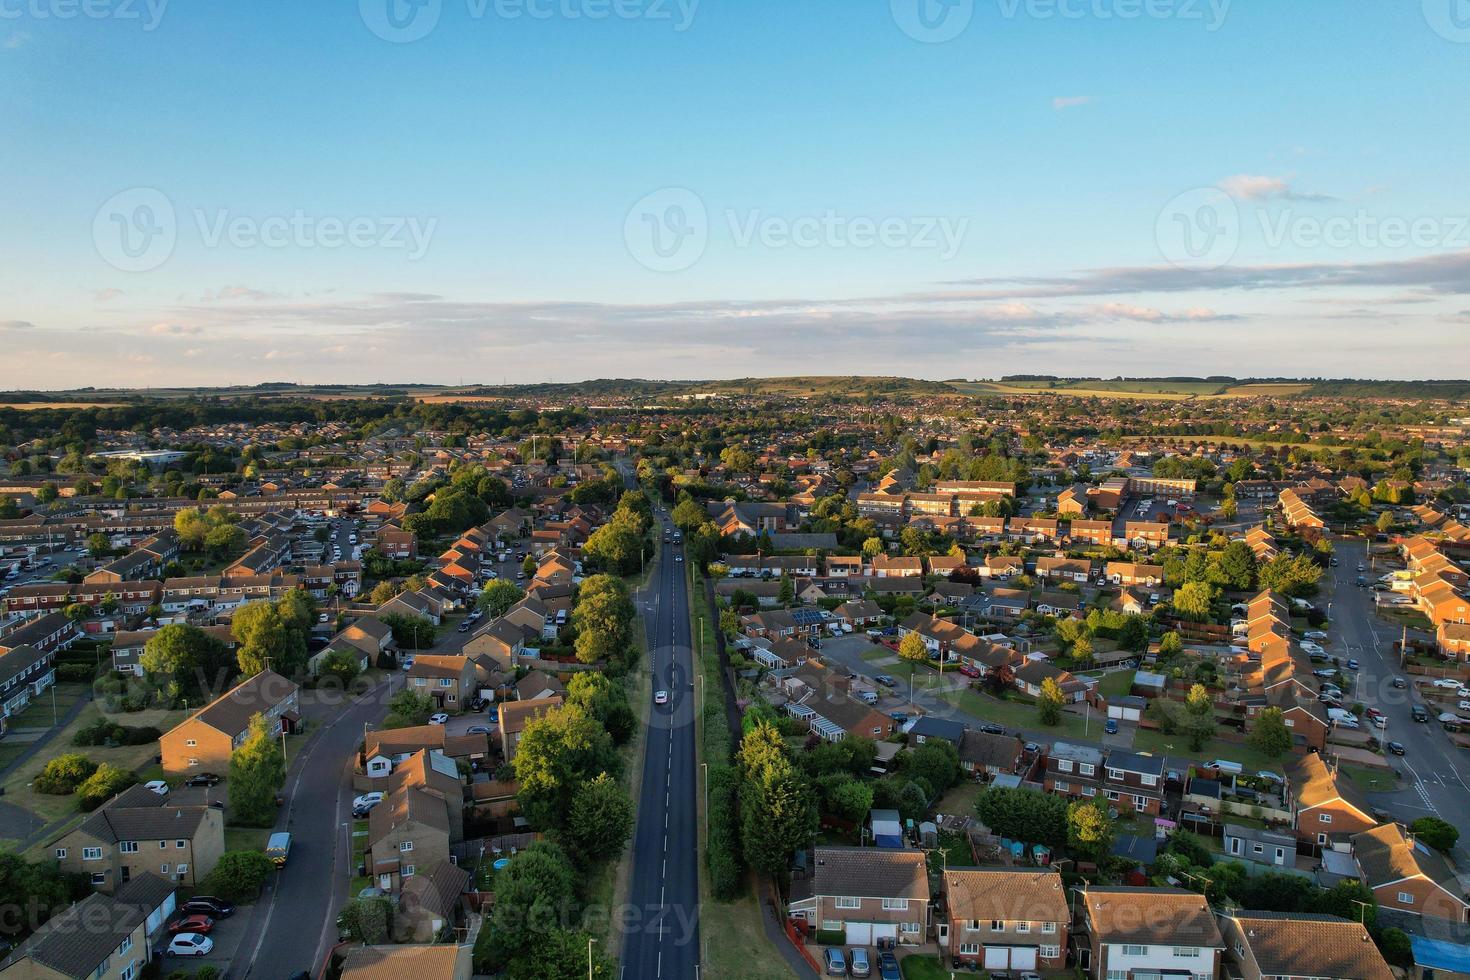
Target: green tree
<point>1199,700</point>
<point>499,596</point>
<point>410,632</point>
<point>1237,566</point>
<point>105,783</point>
<point>600,821</point>
<point>1171,644</point>
<point>341,664</point>
<point>561,954</point>
<point>267,638</point>
<point>367,920</point>
<point>1385,521</point>
<point>937,762</point>
<point>1295,576</point>
<point>239,876</point>
<point>1024,814</point>
<point>777,805</point>
<point>1049,704</point>
<point>538,886</point>
<point>1089,828</point>
<point>1269,735</point>
<point>556,754</point>
<point>78,612</point>
<point>1437,833</point>
<point>1194,601</point>
<point>257,773</point>
<point>408,709</point>
<point>98,545</point>
<point>193,661</point>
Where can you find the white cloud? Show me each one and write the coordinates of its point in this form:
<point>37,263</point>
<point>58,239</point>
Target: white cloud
<point>107,295</point>
<point>166,329</point>
<point>1254,187</point>
<point>1064,102</point>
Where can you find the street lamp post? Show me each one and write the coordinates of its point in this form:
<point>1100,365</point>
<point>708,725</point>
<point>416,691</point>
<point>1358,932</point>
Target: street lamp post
<point>590,941</point>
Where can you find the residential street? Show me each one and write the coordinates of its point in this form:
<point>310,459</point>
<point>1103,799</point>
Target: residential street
<point>294,924</point>
<point>1435,768</point>
<point>663,934</point>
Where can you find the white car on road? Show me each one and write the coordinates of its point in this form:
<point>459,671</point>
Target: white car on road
<point>438,718</point>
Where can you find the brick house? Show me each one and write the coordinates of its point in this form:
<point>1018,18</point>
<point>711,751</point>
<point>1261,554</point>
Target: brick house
<point>1005,918</point>
<point>1408,876</point>
<point>1324,803</point>
<point>865,893</point>
<point>1262,945</point>
<point>449,680</point>
<point>139,831</point>
<point>206,739</point>
<point>1129,933</point>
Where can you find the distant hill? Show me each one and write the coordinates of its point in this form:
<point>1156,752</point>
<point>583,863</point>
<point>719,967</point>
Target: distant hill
<point>1178,389</point>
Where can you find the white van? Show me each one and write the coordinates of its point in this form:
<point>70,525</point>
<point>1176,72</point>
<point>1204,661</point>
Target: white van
<point>1225,765</point>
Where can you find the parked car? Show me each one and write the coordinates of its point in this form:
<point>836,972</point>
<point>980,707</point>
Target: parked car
<point>190,944</point>
<point>215,908</point>
<point>200,924</point>
<point>1446,682</point>
<point>836,963</point>
<point>991,728</point>
<point>969,671</point>
<point>438,718</point>
<point>202,779</point>
<point>477,730</point>
<point>156,786</point>
<point>1397,748</point>
<point>858,965</point>
<point>888,967</point>
<point>1400,683</point>
<point>886,680</point>
<point>367,801</point>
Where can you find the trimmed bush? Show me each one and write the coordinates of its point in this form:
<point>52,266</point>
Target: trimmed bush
<point>238,876</point>
<point>105,783</point>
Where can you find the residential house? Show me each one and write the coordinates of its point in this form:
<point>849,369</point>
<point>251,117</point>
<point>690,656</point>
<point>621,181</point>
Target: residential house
<point>1135,780</point>
<point>139,832</point>
<point>205,740</point>
<point>420,962</point>
<point>1000,919</point>
<point>1260,846</point>
<point>868,894</point>
<point>1299,946</point>
<point>449,680</point>
<point>1324,803</point>
<point>25,671</point>
<point>407,831</point>
<point>1132,933</point>
<point>516,715</point>
<point>1133,573</point>
<point>102,937</point>
<point>1407,875</point>
<point>989,755</point>
<point>1073,770</point>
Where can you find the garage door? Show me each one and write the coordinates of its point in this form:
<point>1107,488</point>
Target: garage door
<point>859,934</point>
<point>997,958</point>
<point>1023,958</point>
<point>882,930</point>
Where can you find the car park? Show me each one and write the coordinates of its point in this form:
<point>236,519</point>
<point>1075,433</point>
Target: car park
<point>190,944</point>
<point>438,718</point>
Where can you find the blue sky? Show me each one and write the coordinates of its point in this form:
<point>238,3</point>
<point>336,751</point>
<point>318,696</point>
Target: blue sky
<point>560,189</point>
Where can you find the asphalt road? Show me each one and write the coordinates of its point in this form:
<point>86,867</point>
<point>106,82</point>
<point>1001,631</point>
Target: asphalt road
<point>294,926</point>
<point>662,939</point>
<point>1435,768</point>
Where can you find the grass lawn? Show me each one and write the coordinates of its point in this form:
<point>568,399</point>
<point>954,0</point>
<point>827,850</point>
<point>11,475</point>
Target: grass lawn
<point>38,713</point>
<point>359,845</point>
<point>738,949</point>
<point>928,968</point>
<point>960,799</point>
<point>1372,780</point>
<point>954,852</point>
<point>1117,684</point>
<point>1016,714</point>
<point>130,757</point>
<point>246,838</point>
<point>1160,744</point>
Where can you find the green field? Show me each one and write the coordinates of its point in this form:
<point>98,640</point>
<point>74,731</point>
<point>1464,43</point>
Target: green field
<point>1147,388</point>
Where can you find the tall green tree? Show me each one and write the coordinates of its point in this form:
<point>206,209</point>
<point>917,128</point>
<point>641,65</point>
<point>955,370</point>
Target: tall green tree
<point>1049,704</point>
<point>257,773</point>
<point>539,886</point>
<point>1089,828</point>
<point>1269,735</point>
<point>267,638</point>
<point>193,662</point>
<point>600,821</point>
<point>498,596</point>
<point>556,754</point>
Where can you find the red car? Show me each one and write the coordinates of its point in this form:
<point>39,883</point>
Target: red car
<point>198,924</point>
<point>969,671</point>
<point>1374,713</point>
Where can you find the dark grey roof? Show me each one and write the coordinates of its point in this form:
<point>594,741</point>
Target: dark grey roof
<point>76,941</point>
<point>1135,762</point>
<point>930,727</point>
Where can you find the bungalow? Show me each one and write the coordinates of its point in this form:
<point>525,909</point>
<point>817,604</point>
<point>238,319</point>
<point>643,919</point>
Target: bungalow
<point>1002,566</point>
<point>1260,846</point>
<point>1133,573</point>
<point>883,566</point>
<point>1033,673</point>
<point>858,612</point>
<point>844,566</point>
